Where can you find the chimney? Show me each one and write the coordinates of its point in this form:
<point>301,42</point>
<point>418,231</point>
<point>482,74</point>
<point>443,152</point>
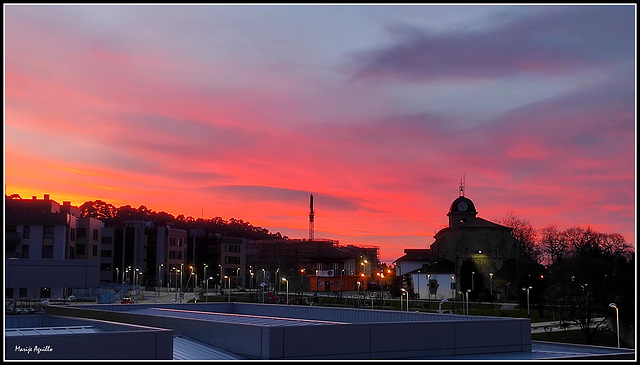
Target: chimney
<point>46,196</point>
<point>34,197</point>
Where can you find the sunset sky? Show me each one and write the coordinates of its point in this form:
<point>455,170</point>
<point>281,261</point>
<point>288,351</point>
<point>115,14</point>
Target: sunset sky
<point>379,111</point>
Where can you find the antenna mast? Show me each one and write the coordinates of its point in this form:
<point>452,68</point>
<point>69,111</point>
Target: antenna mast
<point>311,216</point>
<point>462,186</point>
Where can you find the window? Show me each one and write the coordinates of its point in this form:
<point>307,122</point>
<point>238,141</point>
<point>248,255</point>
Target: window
<point>107,240</point>
<point>47,242</point>
<point>80,249</point>
<point>26,231</point>
<point>95,234</point>
<point>232,248</point>
<point>23,293</point>
<point>105,253</point>
<point>231,260</point>
<point>105,267</point>
<point>72,234</point>
<point>11,228</point>
<point>45,293</point>
<point>25,252</point>
<point>47,232</point>
<point>95,251</point>
<point>82,232</point>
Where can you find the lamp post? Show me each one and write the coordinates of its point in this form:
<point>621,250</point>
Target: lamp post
<point>453,293</point>
<point>206,292</point>
<point>205,277</point>
<point>229,291</point>
<point>237,277</point>
<point>358,296</point>
<point>472,283</point>
<point>440,306</point>
<point>364,286</point>
<point>159,280</point>
<point>429,290</point>
<point>287,281</point>
<point>491,285</point>
<point>221,282</point>
<point>176,276</point>
<point>527,289</point>
<point>402,293</point>
<point>613,305</point>
<point>190,276</point>
<point>467,293</point>
<point>181,270</point>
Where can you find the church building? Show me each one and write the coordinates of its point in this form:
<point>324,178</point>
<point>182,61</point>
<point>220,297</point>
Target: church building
<point>477,247</point>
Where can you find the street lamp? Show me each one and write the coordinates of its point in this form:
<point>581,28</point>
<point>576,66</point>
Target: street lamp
<point>404,292</point>
<point>491,285</point>
<point>613,305</point>
<point>287,281</point>
<point>207,289</point>
<point>472,284</point>
<point>229,291</point>
<point>527,289</point>
<point>205,277</point>
<point>429,289</point>
<point>364,287</point>
<point>467,293</point>
<point>159,281</point>
<point>453,293</point>
<point>440,306</point>
<point>176,276</point>
<point>358,296</point>
<point>181,270</point>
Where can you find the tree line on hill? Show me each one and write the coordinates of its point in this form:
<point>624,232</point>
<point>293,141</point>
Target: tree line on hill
<point>111,215</point>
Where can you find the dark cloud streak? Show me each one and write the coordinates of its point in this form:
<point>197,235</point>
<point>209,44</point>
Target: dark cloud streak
<point>550,42</point>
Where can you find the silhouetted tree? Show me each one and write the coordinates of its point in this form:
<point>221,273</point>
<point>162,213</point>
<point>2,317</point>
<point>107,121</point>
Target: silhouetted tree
<point>588,273</point>
<point>524,233</point>
<point>99,210</point>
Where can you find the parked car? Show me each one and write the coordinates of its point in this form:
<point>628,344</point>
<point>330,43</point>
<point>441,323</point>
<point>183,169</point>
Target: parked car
<point>127,300</point>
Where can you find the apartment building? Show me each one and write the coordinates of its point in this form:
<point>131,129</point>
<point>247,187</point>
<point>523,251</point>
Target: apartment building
<point>41,258</point>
